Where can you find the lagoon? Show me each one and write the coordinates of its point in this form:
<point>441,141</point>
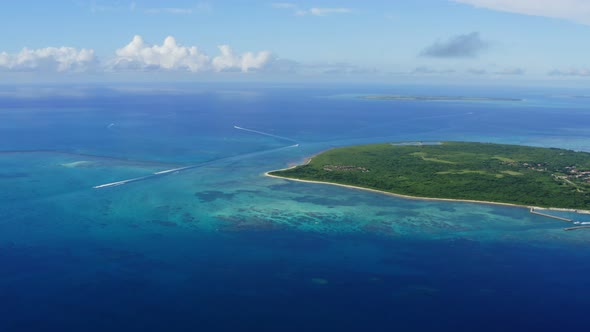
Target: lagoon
<point>223,248</point>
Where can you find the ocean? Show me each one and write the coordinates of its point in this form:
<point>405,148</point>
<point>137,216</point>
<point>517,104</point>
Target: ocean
<point>220,247</point>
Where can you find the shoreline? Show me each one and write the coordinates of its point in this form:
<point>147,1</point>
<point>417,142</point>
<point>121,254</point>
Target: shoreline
<point>531,208</point>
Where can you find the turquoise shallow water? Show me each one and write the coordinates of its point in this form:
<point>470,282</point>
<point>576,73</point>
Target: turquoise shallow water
<point>222,247</point>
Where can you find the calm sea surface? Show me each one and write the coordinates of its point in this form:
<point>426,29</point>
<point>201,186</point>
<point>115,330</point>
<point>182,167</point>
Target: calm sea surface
<point>221,247</point>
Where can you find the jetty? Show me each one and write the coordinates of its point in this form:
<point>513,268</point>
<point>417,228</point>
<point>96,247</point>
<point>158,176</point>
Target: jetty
<point>549,215</point>
<point>575,228</point>
<point>581,225</point>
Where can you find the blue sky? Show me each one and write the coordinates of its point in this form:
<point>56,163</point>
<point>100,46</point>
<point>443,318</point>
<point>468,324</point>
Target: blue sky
<point>419,40</point>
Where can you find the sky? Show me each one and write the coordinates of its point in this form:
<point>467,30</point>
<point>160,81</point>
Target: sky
<point>377,41</point>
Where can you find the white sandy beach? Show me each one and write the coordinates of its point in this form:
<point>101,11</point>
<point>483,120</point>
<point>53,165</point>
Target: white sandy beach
<point>308,160</point>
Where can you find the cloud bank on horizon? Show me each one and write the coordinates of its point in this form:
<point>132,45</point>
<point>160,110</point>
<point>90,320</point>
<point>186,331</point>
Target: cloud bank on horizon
<point>571,72</point>
<point>293,41</point>
<point>135,56</point>
<point>53,59</point>
<point>138,55</point>
<point>573,10</point>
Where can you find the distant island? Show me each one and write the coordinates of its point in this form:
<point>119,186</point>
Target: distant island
<point>436,98</point>
<point>481,172</point>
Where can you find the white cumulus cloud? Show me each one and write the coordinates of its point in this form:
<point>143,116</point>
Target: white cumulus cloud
<point>244,62</point>
<point>573,10</point>
<point>139,55</point>
<point>325,11</point>
<point>314,11</point>
<point>169,10</point>
<point>52,59</point>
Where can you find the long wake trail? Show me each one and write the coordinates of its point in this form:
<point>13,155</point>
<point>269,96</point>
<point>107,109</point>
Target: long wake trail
<point>266,134</point>
<point>207,163</point>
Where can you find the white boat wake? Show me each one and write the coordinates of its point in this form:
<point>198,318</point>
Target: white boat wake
<point>180,169</point>
<point>234,158</point>
<point>265,134</point>
<point>120,183</point>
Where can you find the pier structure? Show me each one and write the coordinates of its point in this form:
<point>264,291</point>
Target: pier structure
<point>580,225</point>
<point>549,215</point>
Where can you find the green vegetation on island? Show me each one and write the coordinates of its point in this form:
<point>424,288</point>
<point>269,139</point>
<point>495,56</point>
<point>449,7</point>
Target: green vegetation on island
<point>522,175</point>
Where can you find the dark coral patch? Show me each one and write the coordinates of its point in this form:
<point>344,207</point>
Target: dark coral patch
<point>212,195</point>
<point>237,223</point>
<point>164,223</point>
<point>326,201</point>
<point>13,175</point>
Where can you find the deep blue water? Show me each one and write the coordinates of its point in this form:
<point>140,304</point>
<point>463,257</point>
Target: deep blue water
<point>222,248</point>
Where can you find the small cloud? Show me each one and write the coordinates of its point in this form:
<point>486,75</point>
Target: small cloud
<point>327,11</point>
<point>461,46</point>
<point>49,59</point>
<point>511,71</point>
<point>314,11</point>
<point>175,11</point>
<point>103,6</point>
<point>580,72</point>
<point>424,70</point>
<point>287,66</point>
<point>248,61</point>
<point>133,7</point>
<point>341,68</point>
<point>479,72</point>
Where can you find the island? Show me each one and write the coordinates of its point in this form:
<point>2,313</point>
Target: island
<point>436,98</point>
<point>476,172</point>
